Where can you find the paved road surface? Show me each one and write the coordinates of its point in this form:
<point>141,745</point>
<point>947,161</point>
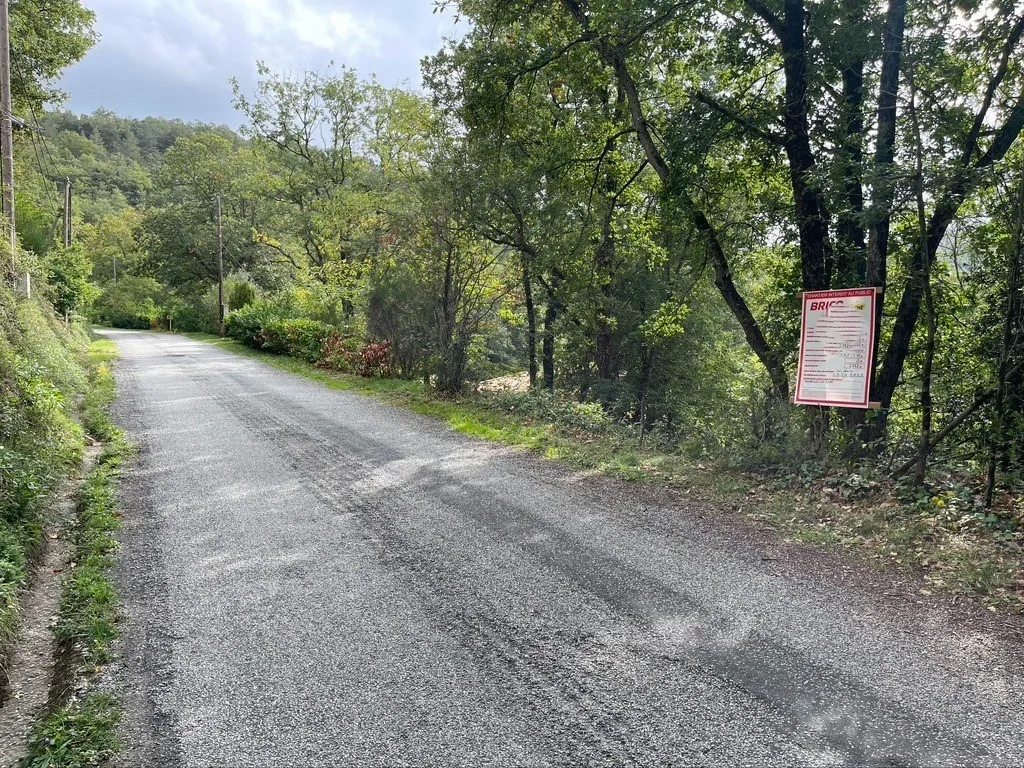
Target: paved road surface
<point>315,579</point>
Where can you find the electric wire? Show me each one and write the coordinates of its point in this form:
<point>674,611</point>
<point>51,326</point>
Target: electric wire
<point>51,191</point>
<point>42,171</point>
<point>45,143</point>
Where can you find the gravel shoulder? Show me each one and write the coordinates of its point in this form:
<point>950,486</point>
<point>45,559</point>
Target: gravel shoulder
<point>312,578</point>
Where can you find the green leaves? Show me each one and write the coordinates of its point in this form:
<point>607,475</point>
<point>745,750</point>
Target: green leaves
<point>47,36</point>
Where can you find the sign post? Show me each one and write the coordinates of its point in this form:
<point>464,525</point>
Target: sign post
<point>837,335</point>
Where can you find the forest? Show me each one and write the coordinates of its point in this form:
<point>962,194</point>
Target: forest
<point>614,207</point>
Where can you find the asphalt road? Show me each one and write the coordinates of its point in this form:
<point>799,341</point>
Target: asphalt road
<point>311,578</point>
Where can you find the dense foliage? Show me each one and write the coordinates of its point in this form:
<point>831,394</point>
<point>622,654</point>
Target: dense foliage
<point>620,201</point>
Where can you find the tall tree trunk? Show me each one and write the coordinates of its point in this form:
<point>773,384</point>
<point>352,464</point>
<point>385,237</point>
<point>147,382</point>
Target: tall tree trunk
<point>926,278</point>
<point>926,383</point>
<point>851,246</point>
<point>614,57</point>
<point>531,324</point>
<point>604,260</point>
<point>877,270</point>
<point>604,257</point>
<point>449,371</point>
<point>550,316</point>
<point>998,448</point>
<point>811,215</point>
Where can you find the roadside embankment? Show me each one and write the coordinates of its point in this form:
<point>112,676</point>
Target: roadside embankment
<point>69,608</point>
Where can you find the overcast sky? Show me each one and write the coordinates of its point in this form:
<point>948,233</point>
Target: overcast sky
<point>173,58</point>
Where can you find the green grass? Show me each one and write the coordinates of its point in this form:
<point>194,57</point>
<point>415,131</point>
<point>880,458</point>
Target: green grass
<point>101,392</point>
<point>888,536</point>
<point>78,736</point>
<point>84,732</point>
<point>42,378</point>
<point>88,615</point>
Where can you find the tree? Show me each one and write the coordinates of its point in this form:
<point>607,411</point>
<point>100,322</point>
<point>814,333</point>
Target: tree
<point>700,90</point>
<point>315,122</point>
<point>181,230</point>
<point>47,36</point>
<point>68,272</point>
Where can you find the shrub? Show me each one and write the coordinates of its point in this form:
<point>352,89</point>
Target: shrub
<point>375,359</point>
<point>246,324</point>
<point>268,326</point>
<point>240,295</point>
<point>340,354</point>
<point>299,338</point>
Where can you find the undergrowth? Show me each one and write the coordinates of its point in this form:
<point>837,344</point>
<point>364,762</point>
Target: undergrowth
<point>78,736</point>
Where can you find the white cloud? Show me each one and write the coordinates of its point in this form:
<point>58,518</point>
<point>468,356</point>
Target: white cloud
<point>175,57</point>
<point>194,39</point>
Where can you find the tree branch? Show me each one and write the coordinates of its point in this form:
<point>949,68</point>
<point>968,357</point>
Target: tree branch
<point>770,18</point>
<point>706,99</point>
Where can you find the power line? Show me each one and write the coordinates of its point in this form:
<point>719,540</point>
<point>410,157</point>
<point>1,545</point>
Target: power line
<point>42,139</point>
<point>50,191</point>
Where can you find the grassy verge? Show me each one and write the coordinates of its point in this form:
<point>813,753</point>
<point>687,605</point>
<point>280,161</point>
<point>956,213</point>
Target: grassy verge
<point>83,731</point>
<point>42,380</point>
<point>941,537</point>
<point>84,734</point>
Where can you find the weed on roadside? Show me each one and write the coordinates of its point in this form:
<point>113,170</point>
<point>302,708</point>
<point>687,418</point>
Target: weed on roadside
<point>81,735</point>
<point>83,731</point>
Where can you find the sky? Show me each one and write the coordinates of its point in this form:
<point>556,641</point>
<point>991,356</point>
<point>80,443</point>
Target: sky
<point>174,58</point>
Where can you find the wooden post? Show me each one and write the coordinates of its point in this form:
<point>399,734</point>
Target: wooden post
<point>67,213</point>
<point>220,268</point>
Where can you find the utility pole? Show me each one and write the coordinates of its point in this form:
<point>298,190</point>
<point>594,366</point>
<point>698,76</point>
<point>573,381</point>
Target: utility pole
<point>67,212</point>
<point>7,134</point>
<point>220,267</point>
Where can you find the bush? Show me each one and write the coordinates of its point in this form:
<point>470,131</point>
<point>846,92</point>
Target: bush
<point>374,358</point>
<point>264,325</point>
<point>340,354</point>
<point>269,327</point>
<point>300,338</point>
<point>246,324</point>
<point>240,295</point>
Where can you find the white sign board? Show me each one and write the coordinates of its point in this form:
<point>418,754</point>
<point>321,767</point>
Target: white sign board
<point>836,348</point>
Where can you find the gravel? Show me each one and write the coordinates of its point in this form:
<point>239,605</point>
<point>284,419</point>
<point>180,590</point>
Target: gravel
<point>312,578</point>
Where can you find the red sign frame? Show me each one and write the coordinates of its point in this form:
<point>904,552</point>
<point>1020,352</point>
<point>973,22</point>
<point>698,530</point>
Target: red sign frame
<point>829,297</point>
